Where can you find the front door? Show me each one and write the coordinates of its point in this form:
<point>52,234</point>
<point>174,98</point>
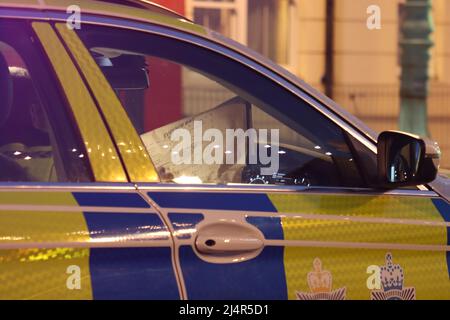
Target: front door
<point>249,243</point>
<point>266,198</point>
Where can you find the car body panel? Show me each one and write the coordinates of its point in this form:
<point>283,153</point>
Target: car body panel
<point>347,233</point>
<point>117,241</point>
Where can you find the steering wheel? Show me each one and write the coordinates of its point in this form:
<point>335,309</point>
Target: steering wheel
<point>252,174</point>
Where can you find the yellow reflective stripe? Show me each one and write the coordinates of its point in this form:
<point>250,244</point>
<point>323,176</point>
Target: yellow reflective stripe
<point>383,206</point>
<point>23,227</point>
<point>43,274</point>
<point>102,154</point>
<point>37,198</point>
<point>317,227</point>
<point>362,232</point>
<point>426,271</point>
<point>133,152</point>
<point>45,270</point>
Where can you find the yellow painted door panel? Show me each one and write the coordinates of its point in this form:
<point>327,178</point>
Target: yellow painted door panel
<point>364,247</point>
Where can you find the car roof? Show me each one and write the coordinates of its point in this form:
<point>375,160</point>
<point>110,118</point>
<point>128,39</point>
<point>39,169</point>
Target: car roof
<point>141,4</point>
<point>148,12</point>
<point>147,5</point>
<point>140,10</point>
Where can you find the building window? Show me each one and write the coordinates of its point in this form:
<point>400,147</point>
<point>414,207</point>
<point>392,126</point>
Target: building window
<point>263,25</point>
<point>268,28</point>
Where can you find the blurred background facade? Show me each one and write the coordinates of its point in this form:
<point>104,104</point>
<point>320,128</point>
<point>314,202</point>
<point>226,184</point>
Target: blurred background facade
<point>327,43</point>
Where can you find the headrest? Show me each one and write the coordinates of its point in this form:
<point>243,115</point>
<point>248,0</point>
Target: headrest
<point>6,91</point>
<point>27,122</point>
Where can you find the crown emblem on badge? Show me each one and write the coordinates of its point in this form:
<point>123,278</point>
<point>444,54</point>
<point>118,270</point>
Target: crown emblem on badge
<point>391,275</point>
<point>319,280</point>
<point>392,279</point>
<point>320,285</point>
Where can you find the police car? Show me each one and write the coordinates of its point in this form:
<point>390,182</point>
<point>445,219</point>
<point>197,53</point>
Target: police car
<point>143,156</point>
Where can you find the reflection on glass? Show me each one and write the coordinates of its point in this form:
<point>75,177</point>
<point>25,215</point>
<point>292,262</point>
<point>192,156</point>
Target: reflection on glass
<point>404,162</point>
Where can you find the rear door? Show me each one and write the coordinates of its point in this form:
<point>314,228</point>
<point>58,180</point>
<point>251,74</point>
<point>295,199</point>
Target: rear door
<point>71,226</point>
<point>79,242</point>
<point>266,197</point>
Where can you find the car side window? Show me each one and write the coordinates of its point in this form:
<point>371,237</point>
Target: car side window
<point>205,118</point>
<point>31,148</point>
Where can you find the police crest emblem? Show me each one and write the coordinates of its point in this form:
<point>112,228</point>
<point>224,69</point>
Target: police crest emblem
<point>320,284</point>
<point>392,279</point>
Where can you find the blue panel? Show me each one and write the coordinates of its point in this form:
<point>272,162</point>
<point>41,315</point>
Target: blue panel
<point>132,273</point>
<point>214,201</point>
<point>444,210</point>
<point>184,221</point>
<point>269,226</point>
<point>261,278</point>
<point>110,199</point>
<point>121,224</point>
<point>443,207</point>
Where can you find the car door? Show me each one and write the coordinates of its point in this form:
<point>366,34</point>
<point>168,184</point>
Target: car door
<point>315,245</point>
<point>71,224</point>
<point>293,219</point>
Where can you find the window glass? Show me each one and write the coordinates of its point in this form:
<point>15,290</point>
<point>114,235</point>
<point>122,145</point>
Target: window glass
<point>207,119</point>
<point>28,141</point>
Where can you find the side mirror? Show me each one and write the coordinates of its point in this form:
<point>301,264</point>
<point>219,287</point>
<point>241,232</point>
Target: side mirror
<point>406,160</point>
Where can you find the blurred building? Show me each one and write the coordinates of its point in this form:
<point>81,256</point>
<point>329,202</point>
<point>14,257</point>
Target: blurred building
<point>327,43</point>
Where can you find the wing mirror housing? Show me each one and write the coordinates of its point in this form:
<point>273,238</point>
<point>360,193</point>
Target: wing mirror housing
<point>406,159</point>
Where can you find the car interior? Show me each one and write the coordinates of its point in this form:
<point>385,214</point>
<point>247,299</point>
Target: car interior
<point>25,147</point>
<point>300,163</point>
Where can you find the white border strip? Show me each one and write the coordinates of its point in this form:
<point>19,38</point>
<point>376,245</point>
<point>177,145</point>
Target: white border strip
<point>308,216</point>
<point>74,209</point>
<point>86,245</point>
<point>355,245</point>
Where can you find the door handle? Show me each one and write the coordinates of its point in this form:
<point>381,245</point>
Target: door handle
<point>211,244</point>
<point>228,241</point>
